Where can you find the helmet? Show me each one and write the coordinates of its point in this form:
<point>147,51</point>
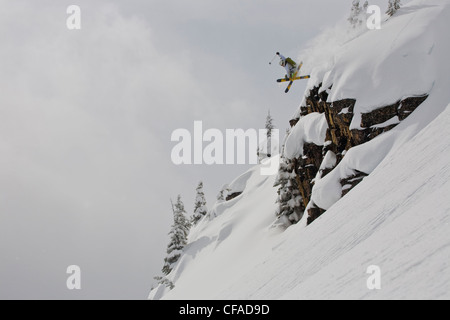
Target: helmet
<point>282,63</point>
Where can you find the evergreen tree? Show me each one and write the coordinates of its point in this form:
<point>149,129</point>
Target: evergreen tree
<point>290,202</point>
<point>393,6</point>
<point>164,281</point>
<point>355,14</point>
<point>365,6</point>
<point>200,209</point>
<point>265,147</point>
<point>223,193</point>
<point>288,131</point>
<point>178,236</point>
<point>358,14</point>
<point>220,196</point>
<point>269,125</point>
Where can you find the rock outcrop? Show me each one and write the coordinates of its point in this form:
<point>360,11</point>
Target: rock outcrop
<point>340,138</point>
<point>232,196</point>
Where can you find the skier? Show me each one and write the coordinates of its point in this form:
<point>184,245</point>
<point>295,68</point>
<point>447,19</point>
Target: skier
<point>289,64</point>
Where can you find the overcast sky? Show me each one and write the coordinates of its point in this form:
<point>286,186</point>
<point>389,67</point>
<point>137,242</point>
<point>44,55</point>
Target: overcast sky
<point>86,118</point>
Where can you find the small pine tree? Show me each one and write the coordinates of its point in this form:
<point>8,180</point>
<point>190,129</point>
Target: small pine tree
<point>200,209</point>
<point>288,131</point>
<point>223,193</point>
<point>269,125</point>
<point>366,6</point>
<point>355,14</point>
<point>265,150</point>
<point>393,6</point>
<point>164,281</point>
<point>290,202</point>
<point>178,236</point>
<point>221,196</point>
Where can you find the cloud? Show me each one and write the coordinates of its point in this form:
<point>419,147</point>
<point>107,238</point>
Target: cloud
<point>83,177</point>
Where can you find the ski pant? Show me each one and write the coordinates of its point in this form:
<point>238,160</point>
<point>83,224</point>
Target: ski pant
<point>289,69</point>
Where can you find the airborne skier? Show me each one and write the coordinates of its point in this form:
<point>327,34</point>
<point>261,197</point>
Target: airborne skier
<point>292,70</point>
<point>289,64</point>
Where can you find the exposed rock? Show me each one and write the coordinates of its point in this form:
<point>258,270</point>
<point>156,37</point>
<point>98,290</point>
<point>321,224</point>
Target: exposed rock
<point>313,213</point>
<point>293,122</point>
<point>306,169</point>
<point>314,102</point>
<point>360,136</point>
<point>233,195</point>
<point>379,116</point>
<point>339,115</point>
<point>324,95</point>
<point>408,105</point>
<point>351,182</point>
<point>402,109</point>
<point>339,137</point>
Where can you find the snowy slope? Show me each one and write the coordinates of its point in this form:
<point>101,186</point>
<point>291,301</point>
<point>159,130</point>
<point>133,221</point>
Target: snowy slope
<point>407,57</point>
<point>406,234</point>
<point>397,218</point>
<point>400,60</point>
<point>227,245</point>
<point>310,129</point>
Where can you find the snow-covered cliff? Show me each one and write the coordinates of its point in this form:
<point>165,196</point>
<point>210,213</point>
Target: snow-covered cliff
<point>370,150</point>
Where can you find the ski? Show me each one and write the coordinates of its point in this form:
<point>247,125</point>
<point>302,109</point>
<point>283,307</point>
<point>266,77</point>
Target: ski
<point>296,78</point>
<point>295,75</point>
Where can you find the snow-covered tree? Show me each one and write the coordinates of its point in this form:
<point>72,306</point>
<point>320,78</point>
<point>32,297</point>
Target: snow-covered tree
<point>178,236</point>
<point>200,209</point>
<point>364,11</point>
<point>223,193</point>
<point>290,204</point>
<point>265,147</point>
<point>221,196</point>
<point>393,6</point>
<point>358,14</point>
<point>288,131</point>
<point>269,125</point>
<point>164,281</point>
<point>355,13</point>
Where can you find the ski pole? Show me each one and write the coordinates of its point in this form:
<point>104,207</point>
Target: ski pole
<point>272,59</point>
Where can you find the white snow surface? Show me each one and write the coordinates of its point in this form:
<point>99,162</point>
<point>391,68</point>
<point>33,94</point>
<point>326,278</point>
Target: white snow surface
<point>400,60</point>
<point>398,218</point>
<point>310,129</point>
<point>407,57</point>
<point>227,247</point>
